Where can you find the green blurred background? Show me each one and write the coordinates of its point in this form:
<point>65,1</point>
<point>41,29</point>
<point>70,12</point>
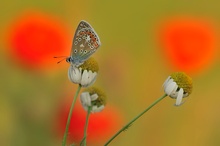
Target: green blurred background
<point>133,66</point>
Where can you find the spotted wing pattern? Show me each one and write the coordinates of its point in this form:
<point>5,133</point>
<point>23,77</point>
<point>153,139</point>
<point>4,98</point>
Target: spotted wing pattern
<point>85,43</point>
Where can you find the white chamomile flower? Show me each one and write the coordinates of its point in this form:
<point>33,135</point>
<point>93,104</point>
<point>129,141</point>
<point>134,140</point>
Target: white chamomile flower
<point>85,74</point>
<point>94,98</point>
<point>178,85</point>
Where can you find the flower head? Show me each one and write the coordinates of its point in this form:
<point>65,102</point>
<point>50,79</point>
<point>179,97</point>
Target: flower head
<point>102,125</point>
<point>93,97</point>
<point>177,86</point>
<point>85,74</point>
<point>35,37</point>
<point>183,37</point>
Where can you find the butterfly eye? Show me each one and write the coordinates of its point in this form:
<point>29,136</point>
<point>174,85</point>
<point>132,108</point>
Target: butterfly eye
<point>79,39</point>
<point>89,44</point>
<point>81,50</point>
<point>75,43</point>
<point>85,51</point>
<point>91,47</point>
<point>75,51</point>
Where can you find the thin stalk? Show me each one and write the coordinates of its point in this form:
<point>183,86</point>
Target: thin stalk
<point>70,115</point>
<point>86,126</point>
<point>133,120</point>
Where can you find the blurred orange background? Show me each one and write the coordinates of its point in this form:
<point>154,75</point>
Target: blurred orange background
<point>143,42</point>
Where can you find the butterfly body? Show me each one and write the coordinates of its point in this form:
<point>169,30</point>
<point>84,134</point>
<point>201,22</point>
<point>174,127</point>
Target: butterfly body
<point>85,43</point>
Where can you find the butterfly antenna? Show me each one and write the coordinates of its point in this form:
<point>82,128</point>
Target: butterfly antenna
<point>60,57</point>
<point>64,57</point>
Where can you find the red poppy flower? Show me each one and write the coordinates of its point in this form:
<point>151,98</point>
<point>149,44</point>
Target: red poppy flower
<point>189,44</point>
<point>101,127</point>
<point>35,38</point>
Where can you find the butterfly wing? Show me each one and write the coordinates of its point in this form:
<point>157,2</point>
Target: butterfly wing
<point>85,43</point>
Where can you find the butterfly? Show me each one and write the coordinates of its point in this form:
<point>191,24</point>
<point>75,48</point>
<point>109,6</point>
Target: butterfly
<point>85,42</point>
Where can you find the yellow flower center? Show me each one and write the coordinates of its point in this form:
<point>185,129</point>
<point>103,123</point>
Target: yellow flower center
<point>90,64</point>
<point>101,100</point>
<point>183,81</point>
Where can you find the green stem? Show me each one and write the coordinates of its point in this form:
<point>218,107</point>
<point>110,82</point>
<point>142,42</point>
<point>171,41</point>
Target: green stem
<point>133,120</point>
<point>70,115</point>
<point>86,126</point>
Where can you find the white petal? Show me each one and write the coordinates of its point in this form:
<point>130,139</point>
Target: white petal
<point>85,107</point>
<point>174,93</point>
<point>74,74</point>
<point>185,95</point>
<point>170,88</point>
<point>94,75</point>
<point>70,74</point>
<point>85,80</point>
<point>179,97</point>
<point>78,74</point>
<point>97,109</point>
<point>93,78</point>
<point>166,81</point>
<point>90,76</point>
<point>85,99</point>
<point>94,97</point>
